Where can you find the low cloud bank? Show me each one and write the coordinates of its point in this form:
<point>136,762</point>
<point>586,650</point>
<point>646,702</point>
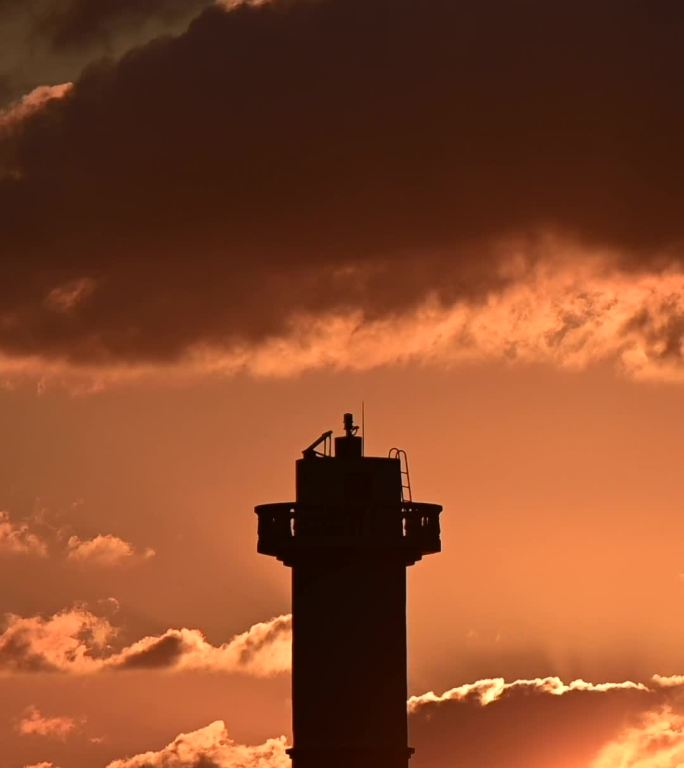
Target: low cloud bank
<point>263,650</point>
<point>489,723</point>
<point>528,723</point>
<point>76,641</point>
<point>210,747</point>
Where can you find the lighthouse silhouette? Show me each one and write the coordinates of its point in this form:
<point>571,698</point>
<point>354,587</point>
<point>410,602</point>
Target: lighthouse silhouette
<point>349,537</point>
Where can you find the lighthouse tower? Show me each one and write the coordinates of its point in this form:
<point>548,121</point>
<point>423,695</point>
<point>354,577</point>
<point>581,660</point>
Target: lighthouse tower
<point>349,537</point>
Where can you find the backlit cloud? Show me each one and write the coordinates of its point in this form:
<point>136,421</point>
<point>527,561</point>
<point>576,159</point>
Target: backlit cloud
<point>68,641</point>
<point>529,723</point>
<point>263,650</point>
<point>77,641</point>
<point>569,316</point>
<point>656,742</point>
<point>566,316</point>
<point>210,747</point>
<point>32,102</point>
<point>488,691</point>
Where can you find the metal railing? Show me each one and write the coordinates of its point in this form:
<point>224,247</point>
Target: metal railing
<point>291,525</point>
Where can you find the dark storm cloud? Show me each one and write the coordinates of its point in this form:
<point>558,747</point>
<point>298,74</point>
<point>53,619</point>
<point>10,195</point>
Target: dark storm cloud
<point>44,42</point>
<point>334,154</point>
<point>86,22</point>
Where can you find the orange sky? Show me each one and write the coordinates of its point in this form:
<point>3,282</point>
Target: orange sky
<point>561,533</point>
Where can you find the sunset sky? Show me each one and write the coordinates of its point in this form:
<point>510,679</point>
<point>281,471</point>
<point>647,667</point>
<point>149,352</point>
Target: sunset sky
<point>223,224</point>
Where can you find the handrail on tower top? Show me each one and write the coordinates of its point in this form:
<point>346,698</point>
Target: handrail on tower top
<point>326,440</point>
<point>399,453</point>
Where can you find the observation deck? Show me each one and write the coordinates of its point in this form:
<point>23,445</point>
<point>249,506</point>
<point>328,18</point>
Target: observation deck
<point>287,529</point>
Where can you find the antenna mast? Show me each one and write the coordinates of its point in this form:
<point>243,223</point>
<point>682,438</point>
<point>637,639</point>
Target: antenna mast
<point>363,428</point>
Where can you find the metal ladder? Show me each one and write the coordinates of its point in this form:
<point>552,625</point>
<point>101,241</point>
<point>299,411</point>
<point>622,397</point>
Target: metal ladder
<point>399,453</point>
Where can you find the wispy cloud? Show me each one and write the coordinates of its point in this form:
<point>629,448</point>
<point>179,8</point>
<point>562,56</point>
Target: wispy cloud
<point>66,297</point>
<point>41,765</point>
<point>35,723</point>
<point>17,538</point>
<point>104,550</point>
<point>230,5</point>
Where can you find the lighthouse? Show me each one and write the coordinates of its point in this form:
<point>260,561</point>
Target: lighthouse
<point>348,538</point>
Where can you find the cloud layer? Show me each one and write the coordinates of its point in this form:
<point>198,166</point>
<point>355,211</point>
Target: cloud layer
<point>568,315</point>
<point>211,188</point>
<point>486,723</point>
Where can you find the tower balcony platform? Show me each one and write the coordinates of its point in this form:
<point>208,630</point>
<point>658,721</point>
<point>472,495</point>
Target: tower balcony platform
<point>288,530</point>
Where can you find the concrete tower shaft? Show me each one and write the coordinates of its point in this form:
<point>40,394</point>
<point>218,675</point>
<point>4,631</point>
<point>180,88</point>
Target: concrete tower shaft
<point>348,538</point>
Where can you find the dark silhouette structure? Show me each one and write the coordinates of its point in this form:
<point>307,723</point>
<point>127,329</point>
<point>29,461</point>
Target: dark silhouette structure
<point>348,538</point>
